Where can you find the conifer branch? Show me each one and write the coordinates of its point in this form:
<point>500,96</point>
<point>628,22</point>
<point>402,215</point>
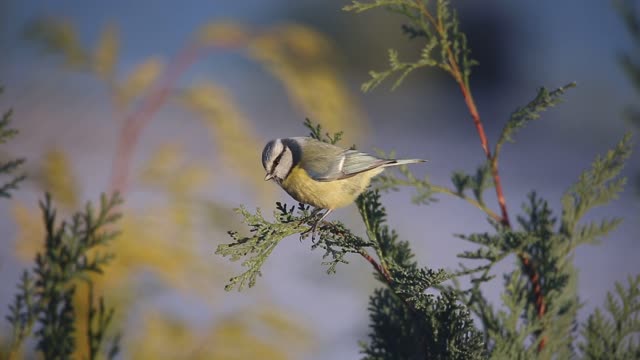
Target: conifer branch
<point>463,83</point>
<point>45,294</point>
<point>612,337</point>
<point>333,237</point>
<point>595,187</point>
<point>441,29</point>
<point>426,190</point>
<point>477,204</point>
<point>540,295</point>
<point>406,282</point>
<point>22,312</point>
<point>9,167</point>
<point>97,327</point>
<point>543,101</point>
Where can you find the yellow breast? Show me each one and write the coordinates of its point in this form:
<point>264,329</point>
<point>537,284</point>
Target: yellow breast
<point>326,194</point>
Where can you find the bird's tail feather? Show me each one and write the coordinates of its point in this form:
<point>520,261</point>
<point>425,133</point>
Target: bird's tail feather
<point>403,162</point>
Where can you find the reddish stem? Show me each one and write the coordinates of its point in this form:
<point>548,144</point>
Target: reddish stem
<point>138,120</point>
<point>484,142</point>
<point>529,267</point>
<point>153,101</point>
<point>378,267</point>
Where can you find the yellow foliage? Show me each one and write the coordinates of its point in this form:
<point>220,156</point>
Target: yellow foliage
<point>151,242</point>
<point>106,53</point>
<point>305,43</point>
<point>56,176</point>
<point>222,33</point>
<point>236,336</point>
<point>165,159</point>
<point>233,135</point>
<point>168,169</point>
<point>191,177</point>
<point>30,231</point>
<point>139,80</point>
<point>280,326</point>
<point>231,340</point>
<point>301,59</point>
<point>59,36</point>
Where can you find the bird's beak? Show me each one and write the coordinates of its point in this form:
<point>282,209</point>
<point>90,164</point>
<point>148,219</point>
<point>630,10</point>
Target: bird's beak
<point>268,177</point>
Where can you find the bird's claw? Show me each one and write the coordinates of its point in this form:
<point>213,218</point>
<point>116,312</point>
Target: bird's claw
<point>314,227</point>
<point>311,230</point>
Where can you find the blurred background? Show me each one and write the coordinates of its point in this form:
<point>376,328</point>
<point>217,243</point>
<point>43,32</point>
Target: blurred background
<point>171,104</point>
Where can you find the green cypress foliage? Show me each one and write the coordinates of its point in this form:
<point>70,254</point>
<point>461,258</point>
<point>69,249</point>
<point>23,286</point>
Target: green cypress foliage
<point>43,304</point>
<point>612,337</point>
<point>422,312</point>
<point>8,167</point>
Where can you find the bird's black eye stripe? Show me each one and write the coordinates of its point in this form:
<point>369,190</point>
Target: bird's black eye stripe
<point>276,161</point>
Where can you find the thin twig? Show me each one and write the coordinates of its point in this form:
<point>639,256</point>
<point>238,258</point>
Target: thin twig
<point>489,212</point>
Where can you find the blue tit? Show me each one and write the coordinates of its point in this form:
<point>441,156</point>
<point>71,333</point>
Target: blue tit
<point>320,174</point>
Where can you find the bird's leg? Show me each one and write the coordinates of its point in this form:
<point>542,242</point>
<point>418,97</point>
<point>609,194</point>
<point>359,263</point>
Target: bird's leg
<point>313,228</point>
<point>315,225</point>
<point>324,216</point>
<point>313,214</point>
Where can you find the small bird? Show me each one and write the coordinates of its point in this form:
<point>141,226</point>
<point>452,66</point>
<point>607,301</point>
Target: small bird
<point>320,174</point>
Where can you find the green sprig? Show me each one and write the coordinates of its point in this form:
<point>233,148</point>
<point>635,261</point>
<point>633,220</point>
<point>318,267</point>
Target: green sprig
<point>45,294</point>
<point>9,167</point>
<point>519,118</point>
<point>446,46</point>
<point>596,186</point>
<point>615,336</point>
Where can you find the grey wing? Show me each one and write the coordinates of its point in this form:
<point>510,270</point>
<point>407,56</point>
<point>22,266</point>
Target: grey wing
<point>334,163</point>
